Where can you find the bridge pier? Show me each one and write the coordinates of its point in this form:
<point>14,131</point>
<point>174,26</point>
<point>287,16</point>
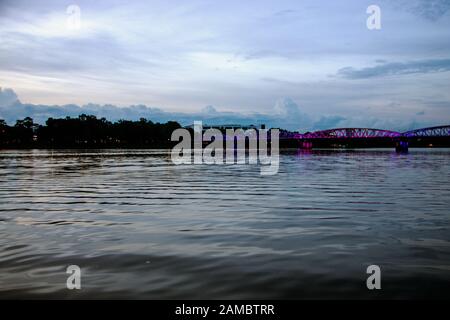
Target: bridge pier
<point>305,144</point>
<point>402,146</point>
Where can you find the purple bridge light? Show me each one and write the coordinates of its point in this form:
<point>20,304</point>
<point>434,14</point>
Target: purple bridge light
<point>368,133</point>
<point>351,133</point>
<point>440,131</point>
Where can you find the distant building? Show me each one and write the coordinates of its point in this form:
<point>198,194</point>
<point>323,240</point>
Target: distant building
<point>228,126</point>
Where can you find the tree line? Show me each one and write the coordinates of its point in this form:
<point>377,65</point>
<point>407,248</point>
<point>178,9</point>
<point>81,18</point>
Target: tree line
<point>86,131</point>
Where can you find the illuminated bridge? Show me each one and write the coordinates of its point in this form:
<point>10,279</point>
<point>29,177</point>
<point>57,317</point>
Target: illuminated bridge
<point>442,131</point>
<point>351,133</point>
<point>368,137</point>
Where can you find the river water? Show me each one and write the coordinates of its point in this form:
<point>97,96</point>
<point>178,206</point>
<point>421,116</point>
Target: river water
<point>140,227</point>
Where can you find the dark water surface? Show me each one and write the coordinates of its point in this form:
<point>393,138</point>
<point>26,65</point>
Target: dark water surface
<point>141,227</point>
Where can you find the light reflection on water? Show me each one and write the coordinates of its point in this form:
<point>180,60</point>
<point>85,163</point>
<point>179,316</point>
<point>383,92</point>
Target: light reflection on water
<point>141,227</point>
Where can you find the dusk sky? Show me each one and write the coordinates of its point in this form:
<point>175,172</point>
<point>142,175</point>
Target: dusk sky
<point>302,65</point>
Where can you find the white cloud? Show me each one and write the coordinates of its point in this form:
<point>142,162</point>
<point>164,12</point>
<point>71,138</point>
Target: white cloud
<point>238,56</point>
<point>286,114</point>
<point>7,97</point>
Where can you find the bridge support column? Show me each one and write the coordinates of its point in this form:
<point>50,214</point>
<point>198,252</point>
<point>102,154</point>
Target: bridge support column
<point>402,146</point>
<point>305,144</point>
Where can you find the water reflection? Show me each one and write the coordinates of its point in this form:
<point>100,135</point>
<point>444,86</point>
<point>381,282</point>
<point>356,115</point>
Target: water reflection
<point>141,227</point>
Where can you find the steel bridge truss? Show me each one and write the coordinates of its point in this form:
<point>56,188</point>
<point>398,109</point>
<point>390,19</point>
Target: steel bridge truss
<point>351,133</point>
<point>441,131</point>
<point>368,133</point>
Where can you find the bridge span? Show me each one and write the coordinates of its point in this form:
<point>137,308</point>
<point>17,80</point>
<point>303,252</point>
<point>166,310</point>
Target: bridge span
<point>369,137</point>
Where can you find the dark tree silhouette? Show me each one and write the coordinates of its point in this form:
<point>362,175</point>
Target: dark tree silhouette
<point>86,131</point>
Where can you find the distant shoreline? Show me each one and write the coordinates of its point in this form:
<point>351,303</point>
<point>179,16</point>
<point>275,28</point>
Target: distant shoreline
<point>89,132</point>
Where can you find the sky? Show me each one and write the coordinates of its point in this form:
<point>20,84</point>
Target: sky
<point>300,65</point>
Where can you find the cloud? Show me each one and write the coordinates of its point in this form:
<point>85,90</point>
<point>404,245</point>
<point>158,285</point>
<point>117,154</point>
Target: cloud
<point>12,109</point>
<point>209,110</point>
<point>195,53</point>
<point>283,13</point>
<point>431,9</point>
<point>286,106</point>
<point>7,97</point>
<point>285,114</point>
<point>328,122</point>
<point>396,68</point>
